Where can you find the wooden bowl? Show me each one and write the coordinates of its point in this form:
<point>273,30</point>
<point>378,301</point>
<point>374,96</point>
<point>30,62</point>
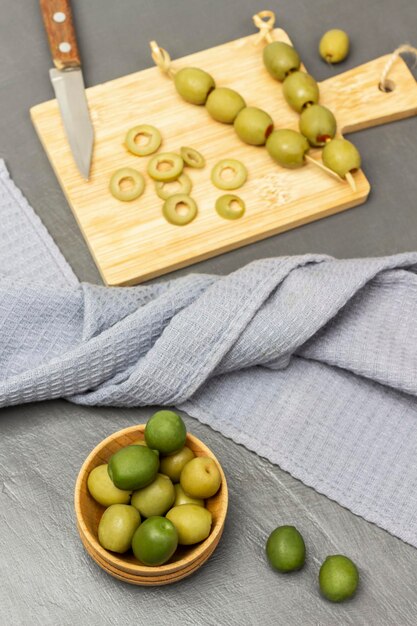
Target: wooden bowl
<point>185,561</point>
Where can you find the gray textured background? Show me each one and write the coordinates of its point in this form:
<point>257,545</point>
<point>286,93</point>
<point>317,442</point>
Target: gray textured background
<point>45,576</point>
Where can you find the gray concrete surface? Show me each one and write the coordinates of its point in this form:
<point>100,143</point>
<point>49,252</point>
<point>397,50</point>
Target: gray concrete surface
<point>45,575</point>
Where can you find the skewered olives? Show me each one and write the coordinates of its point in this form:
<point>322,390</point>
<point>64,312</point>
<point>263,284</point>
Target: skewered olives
<point>127,184</point>
<point>238,172</point>
<point>224,104</point>
<point>287,147</point>
<point>182,184</point>
<point>166,166</point>
<point>117,526</point>
<point>192,157</point>
<point>253,126</point>
<point>192,522</point>
<point>156,498</point>
<point>280,59</point>
<point>193,84</point>
<point>317,124</point>
<point>300,89</point>
<point>179,209</point>
<point>334,46</point>
<point>338,578</point>
<point>230,207</point>
<point>341,156</point>
<point>152,135</point>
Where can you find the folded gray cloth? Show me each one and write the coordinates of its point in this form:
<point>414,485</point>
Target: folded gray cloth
<point>309,361</point>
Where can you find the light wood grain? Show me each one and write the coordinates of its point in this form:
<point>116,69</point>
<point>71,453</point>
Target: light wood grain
<point>132,242</point>
<point>186,559</point>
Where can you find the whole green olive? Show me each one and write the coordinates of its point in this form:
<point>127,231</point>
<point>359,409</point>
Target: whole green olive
<point>117,526</point>
<point>341,156</point>
<point>285,549</point>
<point>280,59</point>
<point>193,523</point>
<point>338,578</point>
<point>155,541</point>
<point>165,431</point>
<point>156,498</point>
<point>182,498</point>
<point>317,124</point>
<point>287,147</point>
<point>300,89</point>
<point>253,126</point>
<point>200,477</point>
<point>193,84</point>
<point>173,464</point>
<point>334,46</point>
<point>223,104</point>
<point>102,488</point>
<point>133,467</point>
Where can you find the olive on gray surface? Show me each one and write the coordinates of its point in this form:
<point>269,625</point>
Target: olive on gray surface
<point>317,124</point>
<point>117,526</point>
<point>338,578</point>
<point>253,126</point>
<point>287,147</point>
<point>193,84</point>
<point>280,59</point>
<point>300,89</point>
<point>224,104</point>
<point>341,156</point>
<point>334,45</point>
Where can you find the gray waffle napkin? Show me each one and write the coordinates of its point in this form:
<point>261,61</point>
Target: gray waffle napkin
<point>309,361</point>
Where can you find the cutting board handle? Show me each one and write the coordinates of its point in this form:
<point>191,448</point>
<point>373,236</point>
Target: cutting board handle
<point>57,17</point>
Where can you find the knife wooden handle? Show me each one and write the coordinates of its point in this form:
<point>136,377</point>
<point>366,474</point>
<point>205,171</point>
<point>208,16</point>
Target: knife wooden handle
<point>57,17</point>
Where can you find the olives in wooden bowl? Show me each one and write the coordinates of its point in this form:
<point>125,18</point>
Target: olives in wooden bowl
<point>186,559</point>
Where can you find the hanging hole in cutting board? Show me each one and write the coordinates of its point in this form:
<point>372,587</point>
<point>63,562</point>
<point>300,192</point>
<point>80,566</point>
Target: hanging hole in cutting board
<point>388,86</point>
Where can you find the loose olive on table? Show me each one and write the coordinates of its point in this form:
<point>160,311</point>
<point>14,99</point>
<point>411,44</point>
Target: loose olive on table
<point>230,207</point>
<point>341,156</point>
<point>224,104</point>
<point>238,172</point>
<point>193,84</point>
<point>127,184</point>
<point>117,526</point>
<point>179,209</point>
<point>253,126</point>
<point>300,89</point>
<point>182,184</point>
<point>285,549</point>
<point>287,147</point>
<point>334,46</point>
<point>338,578</point>
<point>192,157</point>
<point>165,167</point>
<point>280,59</point>
<point>317,124</point>
<point>150,133</point>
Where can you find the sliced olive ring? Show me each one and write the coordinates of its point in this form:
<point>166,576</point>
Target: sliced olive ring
<point>230,207</point>
<point>192,157</point>
<point>238,178</point>
<point>179,209</point>
<point>135,189</point>
<point>162,187</point>
<point>173,166</point>
<point>150,132</point>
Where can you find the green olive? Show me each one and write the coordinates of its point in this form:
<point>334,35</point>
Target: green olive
<point>192,157</point>
<point>150,133</point>
<point>300,89</point>
<point>173,464</point>
<point>334,46</point>
<point>156,498</point>
<point>165,430</point>
<point>142,442</point>
<point>182,184</point>
<point>285,549</point>
<point>133,467</point>
<point>287,147</point>
<point>179,209</point>
<point>117,526</point>
<point>127,184</point>
<point>229,174</point>
<point>317,124</point>
<point>102,488</point>
<point>341,156</point>
<point>338,578</point>
<point>155,541</point>
<point>223,104</point>
<point>200,477</point>
<point>193,84</point>
<point>253,126</point>
<point>182,498</point>
<point>166,166</point>
<point>230,207</point>
<point>280,59</point>
<point>192,522</point>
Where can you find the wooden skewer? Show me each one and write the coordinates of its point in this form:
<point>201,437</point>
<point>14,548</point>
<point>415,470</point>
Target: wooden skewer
<point>323,167</point>
<point>351,181</point>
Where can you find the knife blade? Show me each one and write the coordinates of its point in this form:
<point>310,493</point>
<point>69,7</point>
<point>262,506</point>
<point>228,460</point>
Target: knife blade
<point>67,81</point>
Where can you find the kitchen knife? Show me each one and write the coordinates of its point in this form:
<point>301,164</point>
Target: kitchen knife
<point>67,81</point>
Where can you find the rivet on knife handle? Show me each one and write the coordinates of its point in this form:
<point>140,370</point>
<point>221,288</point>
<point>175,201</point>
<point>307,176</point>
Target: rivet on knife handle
<point>57,17</point>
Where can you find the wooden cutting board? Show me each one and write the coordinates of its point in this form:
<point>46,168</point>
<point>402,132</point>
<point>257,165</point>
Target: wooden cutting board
<point>132,242</point>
